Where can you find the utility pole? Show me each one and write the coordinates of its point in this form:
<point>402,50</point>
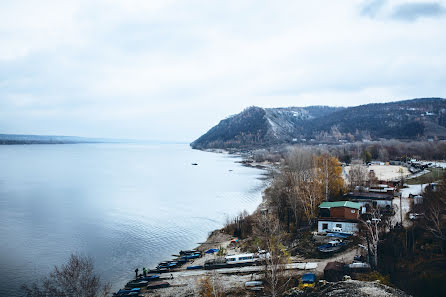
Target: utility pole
<point>368,248</point>
<point>401,194</point>
<point>401,209</point>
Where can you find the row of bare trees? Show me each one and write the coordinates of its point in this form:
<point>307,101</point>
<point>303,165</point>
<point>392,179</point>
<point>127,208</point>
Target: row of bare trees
<point>304,181</point>
<point>389,150</point>
<point>434,207</point>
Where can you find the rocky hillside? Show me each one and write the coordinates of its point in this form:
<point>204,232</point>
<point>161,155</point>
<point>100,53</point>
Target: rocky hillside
<point>259,127</point>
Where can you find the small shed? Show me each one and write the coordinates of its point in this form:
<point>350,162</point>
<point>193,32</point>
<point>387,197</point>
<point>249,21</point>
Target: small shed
<point>418,199</point>
<point>334,271</point>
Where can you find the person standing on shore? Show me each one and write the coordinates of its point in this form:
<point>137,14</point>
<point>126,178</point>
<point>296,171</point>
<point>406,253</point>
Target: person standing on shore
<point>144,271</point>
<point>136,272</point>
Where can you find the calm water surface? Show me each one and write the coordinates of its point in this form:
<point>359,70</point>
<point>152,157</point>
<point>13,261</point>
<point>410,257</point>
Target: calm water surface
<point>125,205</point>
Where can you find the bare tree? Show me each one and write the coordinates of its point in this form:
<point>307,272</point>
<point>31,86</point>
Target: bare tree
<point>310,192</point>
<point>294,202</point>
<point>357,176</point>
<point>329,172</point>
<point>436,224</point>
<point>374,226</point>
<point>268,229</point>
<point>306,194</point>
<point>434,203</point>
<point>210,286</point>
<point>299,160</point>
<point>76,278</point>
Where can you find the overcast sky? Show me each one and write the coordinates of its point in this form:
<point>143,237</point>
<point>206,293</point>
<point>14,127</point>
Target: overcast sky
<point>170,70</point>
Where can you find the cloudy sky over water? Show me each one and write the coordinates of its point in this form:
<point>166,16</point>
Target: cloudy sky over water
<point>170,70</point>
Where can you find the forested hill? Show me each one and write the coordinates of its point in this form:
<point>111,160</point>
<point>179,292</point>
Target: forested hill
<point>257,127</point>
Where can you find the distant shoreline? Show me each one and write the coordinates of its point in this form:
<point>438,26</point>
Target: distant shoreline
<point>25,139</point>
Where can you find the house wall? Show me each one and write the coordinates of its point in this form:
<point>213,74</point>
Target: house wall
<point>346,226</point>
<point>344,213</point>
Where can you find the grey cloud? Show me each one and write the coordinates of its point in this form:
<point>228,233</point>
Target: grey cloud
<point>372,8</point>
<point>413,11</point>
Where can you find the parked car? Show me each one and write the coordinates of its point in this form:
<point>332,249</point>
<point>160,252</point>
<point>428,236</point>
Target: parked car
<point>359,265</point>
<point>415,216</point>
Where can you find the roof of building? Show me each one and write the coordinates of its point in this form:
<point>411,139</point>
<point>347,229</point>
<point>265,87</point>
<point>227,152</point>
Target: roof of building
<point>369,195</point>
<point>348,204</point>
<point>337,220</point>
<point>334,266</point>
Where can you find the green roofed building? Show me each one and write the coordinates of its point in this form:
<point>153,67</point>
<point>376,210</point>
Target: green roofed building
<point>337,215</point>
<point>348,204</point>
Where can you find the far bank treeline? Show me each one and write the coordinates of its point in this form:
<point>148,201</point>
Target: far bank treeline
<point>367,151</point>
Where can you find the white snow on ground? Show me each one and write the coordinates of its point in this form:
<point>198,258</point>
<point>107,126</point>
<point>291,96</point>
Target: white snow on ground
<point>425,171</point>
<point>405,203</point>
<point>434,164</point>
<point>386,172</point>
<point>413,189</point>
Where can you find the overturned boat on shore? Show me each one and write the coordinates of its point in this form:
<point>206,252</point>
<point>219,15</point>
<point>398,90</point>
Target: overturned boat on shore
<point>133,292</point>
<point>136,284</point>
<point>157,285</point>
<point>150,278</point>
<point>194,267</point>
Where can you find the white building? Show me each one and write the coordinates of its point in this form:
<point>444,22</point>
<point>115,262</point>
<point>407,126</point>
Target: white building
<point>347,226</point>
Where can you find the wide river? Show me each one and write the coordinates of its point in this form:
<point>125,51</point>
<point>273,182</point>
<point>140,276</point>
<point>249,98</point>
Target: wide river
<point>125,205</point>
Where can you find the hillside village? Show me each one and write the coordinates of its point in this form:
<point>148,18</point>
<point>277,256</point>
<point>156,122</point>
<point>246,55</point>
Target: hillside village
<point>323,226</point>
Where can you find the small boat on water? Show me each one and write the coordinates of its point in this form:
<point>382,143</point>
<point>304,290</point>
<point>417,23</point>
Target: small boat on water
<point>195,164</point>
<point>157,285</point>
<point>331,246</point>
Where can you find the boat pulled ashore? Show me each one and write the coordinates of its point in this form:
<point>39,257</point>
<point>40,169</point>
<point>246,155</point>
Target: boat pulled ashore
<point>157,285</point>
<point>133,292</point>
<point>331,246</point>
<point>136,284</point>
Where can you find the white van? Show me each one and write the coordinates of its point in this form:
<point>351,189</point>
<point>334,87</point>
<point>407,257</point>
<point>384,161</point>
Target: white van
<point>241,259</point>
